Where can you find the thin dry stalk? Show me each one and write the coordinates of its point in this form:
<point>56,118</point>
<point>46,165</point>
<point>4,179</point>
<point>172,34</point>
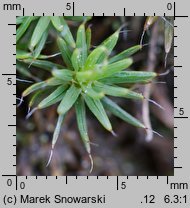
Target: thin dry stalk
<point>147,89</point>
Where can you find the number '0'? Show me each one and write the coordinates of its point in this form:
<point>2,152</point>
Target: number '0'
<point>9,182</point>
<point>169,6</point>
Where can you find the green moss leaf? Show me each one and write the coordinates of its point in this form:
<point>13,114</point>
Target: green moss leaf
<point>120,113</point>
<point>88,38</point>
<point>94,56</point>
<point>57,129</point>
<point>66,33</point>
<point>34,88</point>
<point>69,99</point>
<point>54,97</point>
<point>65,52</point>
<point>125,54</point>
<point>82,125</point>
<point>39,31</point>
<point>117,91</point>
<point>102,72</point>
<point>81,44</point>
<point>23,27</point>
<point>63,74</point>
<point>97,109</point>
<point>130,77</point>
<point>46,65</point>
<point>56,21</point>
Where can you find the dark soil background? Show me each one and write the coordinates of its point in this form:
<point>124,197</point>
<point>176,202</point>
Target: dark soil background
<point>126,154</point>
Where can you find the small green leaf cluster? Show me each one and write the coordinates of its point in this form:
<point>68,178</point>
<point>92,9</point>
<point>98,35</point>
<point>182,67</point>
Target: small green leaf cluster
<point>88,78</point>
